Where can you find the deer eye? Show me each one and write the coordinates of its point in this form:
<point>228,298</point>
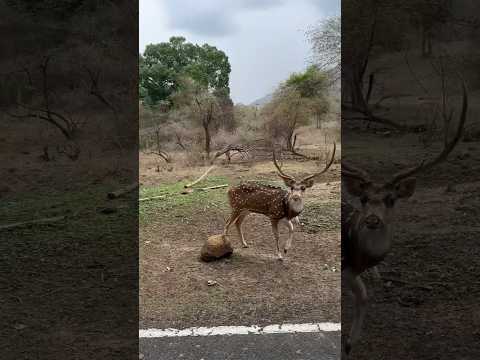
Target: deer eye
<point>303,187</point>
<point>389,201</point>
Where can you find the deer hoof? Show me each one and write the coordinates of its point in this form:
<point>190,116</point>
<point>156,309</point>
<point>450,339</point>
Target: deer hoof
<point>280,258</point>
<point>245,245</point>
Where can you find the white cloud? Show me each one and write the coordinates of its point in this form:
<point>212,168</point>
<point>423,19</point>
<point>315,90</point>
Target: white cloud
<point>264,39</point>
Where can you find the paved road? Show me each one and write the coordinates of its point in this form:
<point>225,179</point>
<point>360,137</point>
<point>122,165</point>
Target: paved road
<point>305,346</point>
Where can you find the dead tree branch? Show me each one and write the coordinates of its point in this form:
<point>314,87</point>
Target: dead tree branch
<point>66,125</point>
<point>200,178</point>
<point>95,90</point>
<point>32,222</point>
<point>238,149</point>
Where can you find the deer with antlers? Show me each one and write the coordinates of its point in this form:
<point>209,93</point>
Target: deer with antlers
<point>279,205</point>
<point>367,231</point>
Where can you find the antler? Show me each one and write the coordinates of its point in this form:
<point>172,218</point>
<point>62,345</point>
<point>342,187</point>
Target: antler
<point>449,146</point>
<point>281,173</point>
<point>326,167</point>
<point>356,173</point>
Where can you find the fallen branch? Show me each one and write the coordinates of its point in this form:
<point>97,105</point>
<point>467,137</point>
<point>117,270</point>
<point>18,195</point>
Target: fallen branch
<point>200,178</point>
<point>160,153</point>
<point>387,97</point>
<point>242,150</point>
<point>32,222</point>
<point>412,284</point>
<point>119,193</point>
<point>295,152</point>
<point>191,190</point>
<point>368,116</point>
<point>211,187</point>
<point>152,198</point>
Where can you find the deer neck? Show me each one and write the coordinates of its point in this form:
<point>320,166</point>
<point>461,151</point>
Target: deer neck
<point>292,208</point>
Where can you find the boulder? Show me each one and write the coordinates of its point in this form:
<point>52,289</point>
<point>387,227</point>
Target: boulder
<point>216,247</point>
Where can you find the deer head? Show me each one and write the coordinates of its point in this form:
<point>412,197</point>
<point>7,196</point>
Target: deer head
<point>296,187</point>
<point>378,199</point>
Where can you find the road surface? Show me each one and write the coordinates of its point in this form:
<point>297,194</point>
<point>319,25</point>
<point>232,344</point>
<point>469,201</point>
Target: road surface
<point>297,346</point>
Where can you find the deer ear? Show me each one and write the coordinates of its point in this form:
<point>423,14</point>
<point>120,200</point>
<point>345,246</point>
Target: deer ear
<point>356,187</point>
<point>405,188</point>
<point>288,182</point>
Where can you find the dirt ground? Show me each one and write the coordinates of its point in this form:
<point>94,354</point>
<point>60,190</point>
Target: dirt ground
<point>253,286</point>
<point>426,305</point>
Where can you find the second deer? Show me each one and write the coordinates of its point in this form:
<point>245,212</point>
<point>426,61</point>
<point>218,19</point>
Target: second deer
<point>279,205</point>
<point>367,231</point>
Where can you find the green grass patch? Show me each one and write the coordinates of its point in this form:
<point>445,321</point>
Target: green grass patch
<point>53,203</point>
<point>174,204</point>
<point>87,229</point>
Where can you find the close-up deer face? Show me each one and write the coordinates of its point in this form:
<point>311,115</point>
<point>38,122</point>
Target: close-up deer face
<point>367,233</point>
<point>296,191</point>
<point>378,200</point>
<point>376,216</point>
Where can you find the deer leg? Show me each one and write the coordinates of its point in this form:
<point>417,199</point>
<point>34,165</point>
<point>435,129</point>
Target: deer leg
<point>296,220</point>
<point>360,306</point>
<point>233,217</point>
<point>238,224</point>
<point>288,244</point>
<point>277,238</point>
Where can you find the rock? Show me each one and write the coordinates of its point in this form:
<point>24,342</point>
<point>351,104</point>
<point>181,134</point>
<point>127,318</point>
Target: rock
<point>216,247</point>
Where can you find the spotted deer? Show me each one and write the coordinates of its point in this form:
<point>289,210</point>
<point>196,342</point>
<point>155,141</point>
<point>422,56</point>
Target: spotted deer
<point>367,231</point>
<point>278,204</point>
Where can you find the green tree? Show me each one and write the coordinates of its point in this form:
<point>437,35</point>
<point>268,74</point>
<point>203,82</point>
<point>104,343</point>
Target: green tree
<point>200,106</point>
<point>163,65</point>
<point>285,113</point>
<point>312,86</point>
<point>302,96</point>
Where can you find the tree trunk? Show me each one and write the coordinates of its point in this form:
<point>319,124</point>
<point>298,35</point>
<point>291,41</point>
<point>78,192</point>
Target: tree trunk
<point>290,141</point>
<point>371,80</point>
<point>426,42</point>
<point>207,139</point>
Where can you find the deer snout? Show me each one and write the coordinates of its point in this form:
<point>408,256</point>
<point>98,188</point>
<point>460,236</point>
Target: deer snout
<point>372,221</point>
<point>296,197</point>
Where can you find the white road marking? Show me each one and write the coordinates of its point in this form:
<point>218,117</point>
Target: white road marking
<point>241,330</point>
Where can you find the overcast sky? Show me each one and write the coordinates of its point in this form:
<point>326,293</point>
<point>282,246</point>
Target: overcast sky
<point>264,39</point>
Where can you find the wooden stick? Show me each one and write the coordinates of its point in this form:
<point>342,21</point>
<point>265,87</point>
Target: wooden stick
<point>200,178</point>
<point>408,283</point>
<point>152,198</point>
<point>118,193</point>
<point>211,187</point>
<point>32,222</point>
